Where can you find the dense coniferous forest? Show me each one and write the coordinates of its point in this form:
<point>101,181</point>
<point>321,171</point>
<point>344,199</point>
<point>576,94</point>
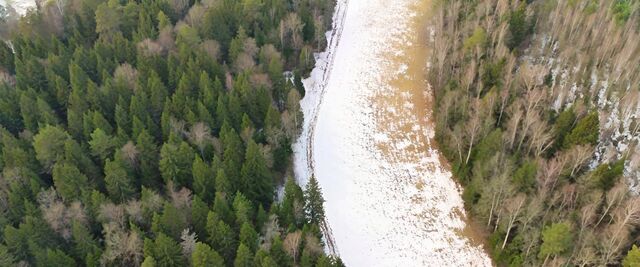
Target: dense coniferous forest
<point>536,108</point>
<point>156,133</point>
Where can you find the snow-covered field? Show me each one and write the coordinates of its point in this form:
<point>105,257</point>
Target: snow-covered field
<point>366,137</point>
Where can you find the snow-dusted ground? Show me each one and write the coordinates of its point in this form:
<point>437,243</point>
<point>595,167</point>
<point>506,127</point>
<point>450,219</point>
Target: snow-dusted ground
<point>20,6</point>
<point>390,202</point>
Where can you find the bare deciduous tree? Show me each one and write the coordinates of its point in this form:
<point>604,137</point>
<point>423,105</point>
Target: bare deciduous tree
<point>292,244</point>
<point>188,242</point>
<point>513,208</point>
<point>121,247</point>
<point>200,135</point>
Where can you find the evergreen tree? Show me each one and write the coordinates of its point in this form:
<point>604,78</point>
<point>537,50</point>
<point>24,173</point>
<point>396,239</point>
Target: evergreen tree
<point>244,258</point>
<point>69,181</point>
<point>314,201</point>
<point>243,209</point>
<point>101,144</point>
<point>165,251</point>
<point>54,258</point>
<point>171,222</point>
<point>118,180</point>
<point>199,213</point>
<point>256,178</point>
<point>148,161</point>
<point>49,145</point>
<point>149,262</point>
<point>633,257</point>
<point>203,182</point>
<point>248,236</point>
<point>204,256</point>
<point>586,131</point>
<point>556,240</point>
<point>176,160</point>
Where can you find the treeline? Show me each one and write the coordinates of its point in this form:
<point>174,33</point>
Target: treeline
<point>155,133</point>
<point>535,104</point>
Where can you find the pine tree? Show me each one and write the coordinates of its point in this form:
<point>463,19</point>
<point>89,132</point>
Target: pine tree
<point>165,251</point>
<point>118,181</point>
<point>176,160</point>
<point>257,181</point>
<point>556,240</point>
<point>243,209</point>
<point>248,236</point>
<point>222,209</point>
<point>84,243</point>
<point>49,145</point>
<point>171,222</point>
<point>222,182</point>
<point>222,239</point>
<point>54,258</point>
<point>205,256</point>
<point>203,182</point>
<point>244,257</point>
<point>633,257</point>
<point>6,258</point>
<point>101,144</point>
<point>293,198</point>
<point>148,262</point>
<point>148,160</point>
<point>69,181</point>
<point>199,212</point>
<point>314,201</point>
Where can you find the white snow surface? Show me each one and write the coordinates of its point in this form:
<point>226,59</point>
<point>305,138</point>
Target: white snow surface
<point>21,6</point>
<point>403,210</point>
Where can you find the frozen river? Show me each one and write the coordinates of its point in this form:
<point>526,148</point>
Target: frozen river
<point>390,199</point>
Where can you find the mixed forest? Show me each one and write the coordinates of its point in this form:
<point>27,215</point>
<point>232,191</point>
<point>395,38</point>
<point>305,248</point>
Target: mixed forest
<point>157,133</point>
<point>537,108</point>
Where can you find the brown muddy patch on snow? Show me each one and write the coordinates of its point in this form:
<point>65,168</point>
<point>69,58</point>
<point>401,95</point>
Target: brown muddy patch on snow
<point>404,120</point>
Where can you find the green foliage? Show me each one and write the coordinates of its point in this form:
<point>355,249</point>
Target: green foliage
<point>563,126</point>
<point>6,259</point>
<point>69,181</point>
<point>204,256</point>
<point>256,177</point>
<point>248,236</point>
<point>165,251</point>
<point>244,257</point>
<point>49,145</point>
<point>556,240</point>
<point>101,144</point>
<point>6,58</point>
<point>54,258</point>
<point>525,176</point>
<point>203,179</point>
<point>633,257</point>
<point>519,27</point>
<point>176,160</point>
<point>478,38</point>
<point>171,222</point>
<point>492,74</point>
<point>607,175</point>
<point>148,262</point>
<point>622,10</point>
<point>242,208</point>
<point>587,131</point>
<point>118,181</point>
<point>314,201</point>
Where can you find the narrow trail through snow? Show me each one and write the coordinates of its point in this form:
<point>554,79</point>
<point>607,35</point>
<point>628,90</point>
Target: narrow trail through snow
<point>367,137</point>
